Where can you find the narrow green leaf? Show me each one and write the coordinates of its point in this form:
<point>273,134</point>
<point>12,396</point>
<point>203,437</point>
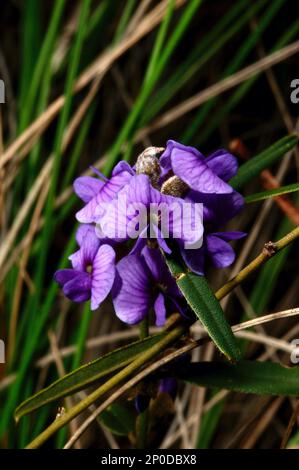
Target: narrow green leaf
<point>262,378</point>
<point>263,160</point>
<point>203,302</point>
<point>119,419</point>
<point>291,188</point>
<point>86,375</point>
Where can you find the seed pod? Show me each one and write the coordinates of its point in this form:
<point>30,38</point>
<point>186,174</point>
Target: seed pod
<point>148,163</point>
<point>174,186</point>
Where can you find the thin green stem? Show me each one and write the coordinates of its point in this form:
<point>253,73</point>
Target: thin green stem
<point>270,249</point>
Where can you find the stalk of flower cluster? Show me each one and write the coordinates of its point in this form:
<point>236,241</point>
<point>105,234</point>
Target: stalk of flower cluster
<point>269,250</point>
<point>171,337</point>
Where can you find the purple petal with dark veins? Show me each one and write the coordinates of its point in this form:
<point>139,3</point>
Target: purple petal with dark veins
<point>103,274</point>
<point>87,187</point>
<point>131,292</point>
<point>223,163</point>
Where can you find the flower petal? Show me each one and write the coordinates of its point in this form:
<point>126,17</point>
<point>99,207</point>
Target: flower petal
<point>89,246</point>
<point>78,289</point>
<point>194,259</point>
<point>87,187</point>
<point>194,171</point>
<point>64,275</point>
<point>223,163</point>
<point>160,310</point>
<point>108,192</point>
<point>227,236</point>
<point>103,274</point>
<point>131,292</point>
<point>220,252</point>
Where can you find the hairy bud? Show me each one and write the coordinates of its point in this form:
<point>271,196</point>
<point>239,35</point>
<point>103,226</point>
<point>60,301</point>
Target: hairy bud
<point>174,186</point>
<point>148,163</point>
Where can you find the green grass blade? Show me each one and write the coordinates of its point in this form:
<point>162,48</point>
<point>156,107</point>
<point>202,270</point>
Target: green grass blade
<point>87,375</point>
<point>290,188</point>
<point>263,160</point>
<point>262,378</point>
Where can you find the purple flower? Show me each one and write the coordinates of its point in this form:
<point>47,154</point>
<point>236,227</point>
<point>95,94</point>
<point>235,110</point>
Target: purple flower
<point>206,175</point>
<point>127,214</point>
<point>169,385</point>
<point>93,271</point>
<point>143,282</point>
<point>94,191</point>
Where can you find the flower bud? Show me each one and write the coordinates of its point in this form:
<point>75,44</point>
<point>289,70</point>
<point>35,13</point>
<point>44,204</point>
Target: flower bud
<point>148,163</point>
<point>174,186</point>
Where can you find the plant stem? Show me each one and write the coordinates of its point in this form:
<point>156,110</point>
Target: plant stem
<point>142,421</point>
<point>270,249</point>
<point>173,335</point>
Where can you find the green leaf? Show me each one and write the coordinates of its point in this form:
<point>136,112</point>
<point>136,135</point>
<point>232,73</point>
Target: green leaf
<point>203,302</point>
<point>119,419</point>
<point>262,378</point>
<point>86,375</point>
<point>290,188</point>
<point>263,160</point>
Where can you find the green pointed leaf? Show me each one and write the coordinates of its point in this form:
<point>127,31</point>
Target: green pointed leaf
<point>207,308</point>
<point>263,160</point>
<point>119,419</point>
<point>290,188</point>
<point>86,375</point>
<point>262,378</point>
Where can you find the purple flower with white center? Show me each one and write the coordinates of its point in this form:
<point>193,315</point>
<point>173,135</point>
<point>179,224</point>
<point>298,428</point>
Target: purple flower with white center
<point>93,269</point>
<point>94,191</point>
<point>136,199</point>
<point>205,175</point>
<point>143,282</point>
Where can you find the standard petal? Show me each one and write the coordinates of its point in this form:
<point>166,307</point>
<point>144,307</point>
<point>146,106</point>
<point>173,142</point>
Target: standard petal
<point>160,310</point>
<point>131,292</point>
<point>78,289</point>
<point>220,252</point>
<point>108,192</point>
<point>103,274</point>
<point>195,172</point>
<point>89,246</point>
<point>87,187</point>
<point>223,163</point>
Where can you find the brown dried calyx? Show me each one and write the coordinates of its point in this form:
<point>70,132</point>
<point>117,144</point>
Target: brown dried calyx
<point>174,186</point>
<point>148,164</point>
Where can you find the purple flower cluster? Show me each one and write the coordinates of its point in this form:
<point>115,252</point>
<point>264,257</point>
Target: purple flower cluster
<point>140,280</point>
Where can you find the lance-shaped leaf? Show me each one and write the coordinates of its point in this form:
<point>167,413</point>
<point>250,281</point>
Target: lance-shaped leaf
<point>86,375</point>
<point>263,160</point>
<point>263,378</point>
<point>119,419</point>
<point>207,308</point>
<point>290,188</point>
